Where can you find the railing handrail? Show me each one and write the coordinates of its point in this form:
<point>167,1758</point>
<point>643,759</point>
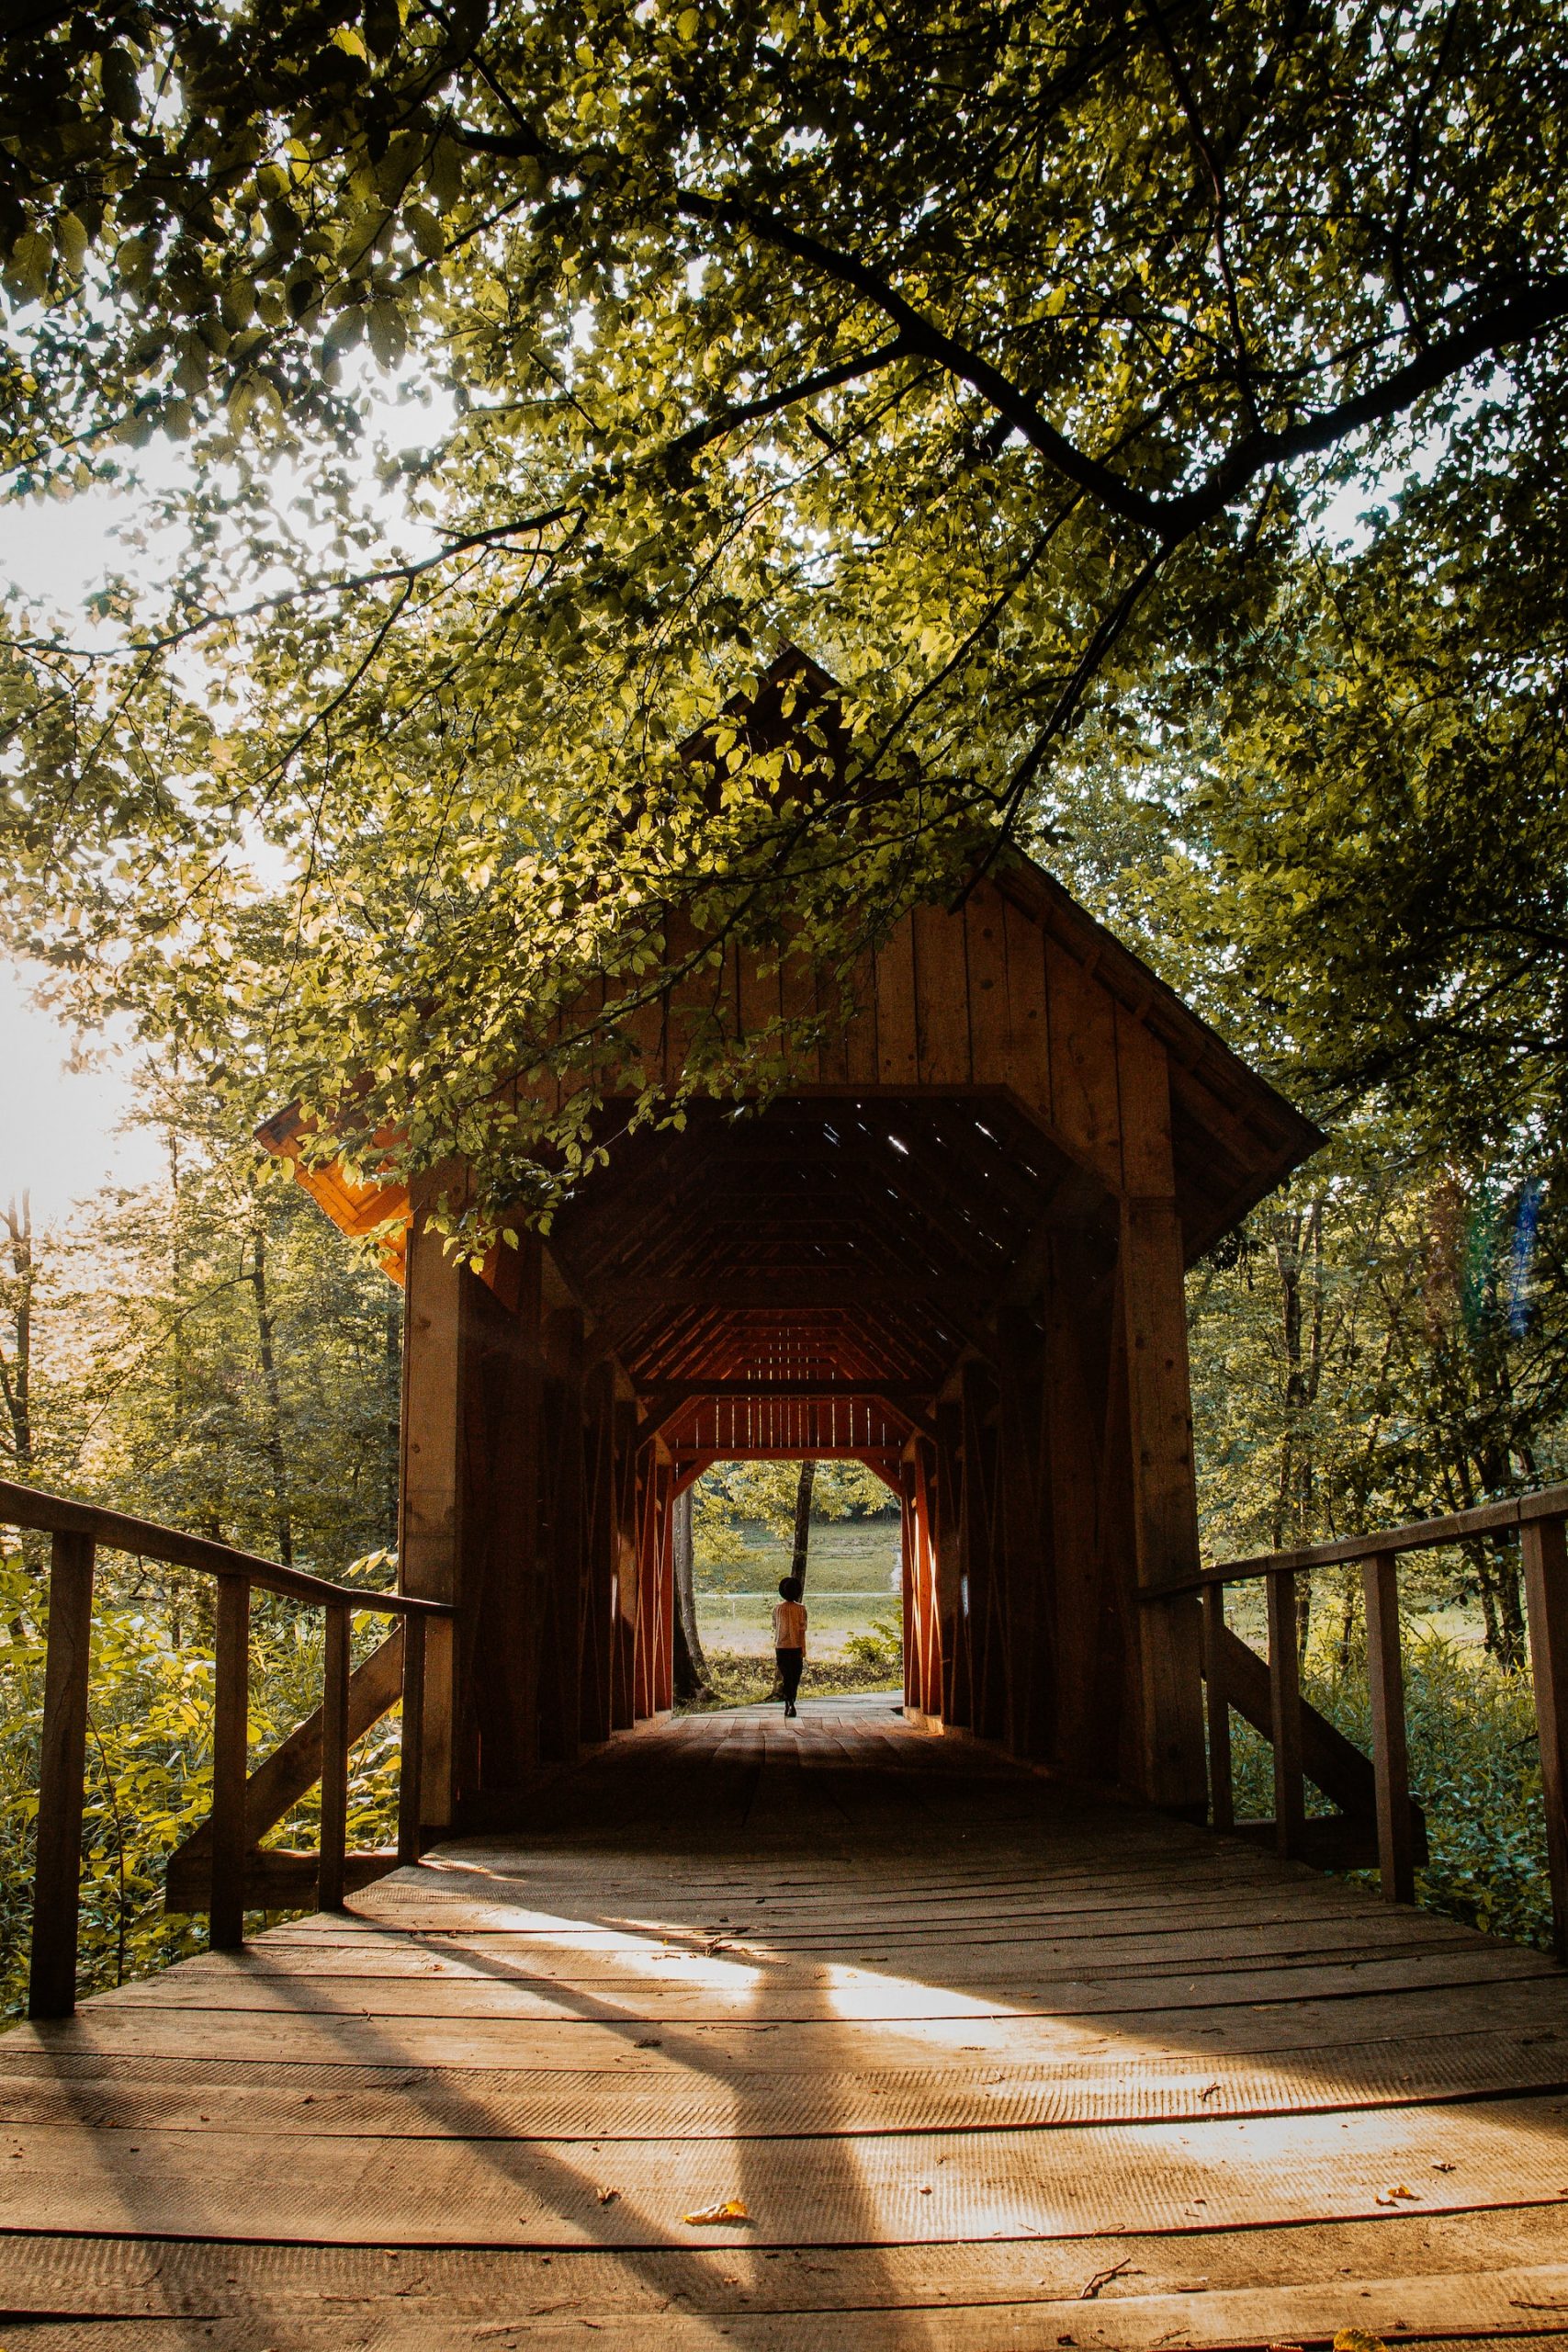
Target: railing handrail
<point>1541,1522</point>
<point>29,1507</point>
<point>1416,1536</point>
<point>76,1530</point>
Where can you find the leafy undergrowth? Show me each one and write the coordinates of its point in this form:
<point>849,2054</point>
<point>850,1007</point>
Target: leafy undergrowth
<point>871,1661</point>
<point>1474,1766</point>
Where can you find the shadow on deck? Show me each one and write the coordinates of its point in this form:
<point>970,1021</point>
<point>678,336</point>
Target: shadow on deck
<point>963,2040</point>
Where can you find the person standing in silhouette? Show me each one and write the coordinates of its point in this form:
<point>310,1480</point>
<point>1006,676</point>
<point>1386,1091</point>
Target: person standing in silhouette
<point>789,1638</point>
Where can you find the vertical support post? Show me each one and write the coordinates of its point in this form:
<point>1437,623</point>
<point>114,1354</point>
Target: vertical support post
<point>1222,1786</point>
<point>1165,1506</point>
<point>57,1881</point>
<point>231,1755</point>
<point>410,1789</point>
<point>334,1757</point>
<point>1390,1754</point>
<point>947,1534</point>
<point>1546,1603</point>
<point>431,1529</point>
<point>1285,1712</point>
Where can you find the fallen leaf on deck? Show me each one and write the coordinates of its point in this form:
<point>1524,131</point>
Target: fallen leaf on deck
<point>1397,2195</point>
<point>732,2210</point>
<point>1438,2164</point>
<point>1356,2339</point>
<point>608,2196</point>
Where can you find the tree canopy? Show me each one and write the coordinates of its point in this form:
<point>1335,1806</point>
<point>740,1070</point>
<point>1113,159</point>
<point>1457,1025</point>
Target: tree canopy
<point>540,370</point>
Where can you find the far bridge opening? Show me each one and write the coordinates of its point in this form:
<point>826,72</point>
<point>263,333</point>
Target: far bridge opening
<point>831,1519</point>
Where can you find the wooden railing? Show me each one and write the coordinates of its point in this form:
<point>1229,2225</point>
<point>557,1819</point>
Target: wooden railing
<point>1308,1747</point>
<point>242,1805</point>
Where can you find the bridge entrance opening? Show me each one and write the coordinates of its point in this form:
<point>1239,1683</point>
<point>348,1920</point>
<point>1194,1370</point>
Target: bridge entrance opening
<point>837,1525</point>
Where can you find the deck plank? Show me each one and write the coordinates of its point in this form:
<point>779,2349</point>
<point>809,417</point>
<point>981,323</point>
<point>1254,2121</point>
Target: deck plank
<point>960,2037</point>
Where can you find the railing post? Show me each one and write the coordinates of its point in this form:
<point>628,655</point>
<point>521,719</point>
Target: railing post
<point>1285,1708</point>
<point>410,1783</point>
<point>1390,1754</point>
<point>1221,1791</point>
<point>1546,1602</point>
<point>334,1757</point>
<point>230,1755</point>
<point>56,1883</point>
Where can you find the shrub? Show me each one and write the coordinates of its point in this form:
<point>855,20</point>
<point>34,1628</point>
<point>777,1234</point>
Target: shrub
<point>744,1678</point>
<point>1474,1766</point>
<point>879,1650</point>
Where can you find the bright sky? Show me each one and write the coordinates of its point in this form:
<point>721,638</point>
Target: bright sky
<point>58,1137</point>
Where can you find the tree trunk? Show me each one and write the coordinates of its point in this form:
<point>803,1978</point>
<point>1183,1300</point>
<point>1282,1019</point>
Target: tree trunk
<point>393,1431</point>
<point>16,1371</point>
<point>273,1444</point>
<point>16,1367</point>
<point>1298,1245</point>
<point>803,1520</point>
<point>691,1667</point>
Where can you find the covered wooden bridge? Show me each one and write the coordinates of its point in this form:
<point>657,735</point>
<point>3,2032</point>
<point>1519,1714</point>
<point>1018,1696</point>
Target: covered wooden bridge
<point>951,1247</point>
<point>720,2030</point>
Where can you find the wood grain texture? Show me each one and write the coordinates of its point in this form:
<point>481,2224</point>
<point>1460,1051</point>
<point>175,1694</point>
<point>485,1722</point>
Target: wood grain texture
<point>942,998</point>
<point>330,1883</point>
<point>898,1048</point>
<point>63,1756</point>
<point>1390,1757</point>
<point>1545,1553</point>
<point>1084,1093</point>
<point>230,1733</point>
<point>962,2039</point>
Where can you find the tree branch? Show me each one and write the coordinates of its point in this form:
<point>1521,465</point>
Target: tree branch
<point>922,338</point>
<point>1527,314</point>
<point>826,378</point>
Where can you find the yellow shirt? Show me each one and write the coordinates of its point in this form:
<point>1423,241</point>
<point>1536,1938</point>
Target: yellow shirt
<point>789,1625</point>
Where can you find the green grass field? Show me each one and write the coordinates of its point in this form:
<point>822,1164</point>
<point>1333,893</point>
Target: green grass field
<point>851,1578</point>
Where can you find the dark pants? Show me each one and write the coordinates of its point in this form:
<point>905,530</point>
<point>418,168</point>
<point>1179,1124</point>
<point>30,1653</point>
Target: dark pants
<point>790,1664</point>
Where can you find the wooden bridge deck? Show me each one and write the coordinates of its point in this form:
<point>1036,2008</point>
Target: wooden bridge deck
<point>964,2042</point>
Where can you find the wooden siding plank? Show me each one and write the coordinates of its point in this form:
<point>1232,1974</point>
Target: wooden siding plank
<point>942,998</point>
<point>1143,1107</point>
<point>897,1050</point>
<point>1027,1056</point>
<point>860,1035</point>
<point>1084,1093</point>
